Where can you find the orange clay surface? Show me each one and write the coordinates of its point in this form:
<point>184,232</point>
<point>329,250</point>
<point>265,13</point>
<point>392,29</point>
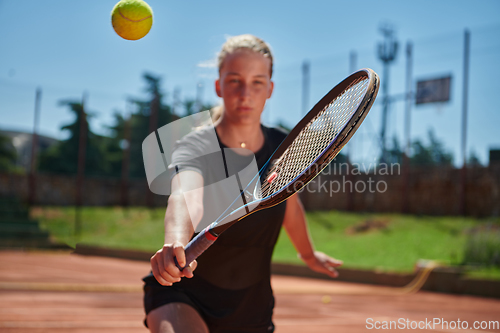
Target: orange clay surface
<point>62,292</point>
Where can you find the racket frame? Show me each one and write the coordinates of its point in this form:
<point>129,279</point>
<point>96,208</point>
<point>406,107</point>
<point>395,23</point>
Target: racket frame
<point>322,161</point>
<point>319,163</point>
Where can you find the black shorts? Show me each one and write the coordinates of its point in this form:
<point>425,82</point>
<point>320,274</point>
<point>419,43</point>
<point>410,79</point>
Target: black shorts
<point>224,311</point>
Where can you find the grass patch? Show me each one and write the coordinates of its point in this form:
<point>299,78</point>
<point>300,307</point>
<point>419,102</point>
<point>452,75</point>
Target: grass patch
<point>395,247</point>
<point>483,246</point>
<point>115,227</point>
<point>484,273</point>
<point>387,242</point>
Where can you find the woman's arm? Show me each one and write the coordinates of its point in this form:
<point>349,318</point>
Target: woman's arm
<point>184,212</point>
<point>295,225</point>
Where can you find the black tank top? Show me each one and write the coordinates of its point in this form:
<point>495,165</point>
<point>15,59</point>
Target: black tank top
<point>241,256</point>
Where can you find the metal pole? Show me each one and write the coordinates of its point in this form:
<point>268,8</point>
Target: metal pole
<point>406,154</point>
<point>177,101</point>
<point>350,196</point>
<point>127,123</point>
<point>199,96</point>
<point>153,124</point>
<point>34,146</point>
<point>463,180</point>
<point>387,52</point>
<point>409,96</point>
<point>353,56</point>
<point>306,66</point>
<point>82,147</point>
<point>385,108</point>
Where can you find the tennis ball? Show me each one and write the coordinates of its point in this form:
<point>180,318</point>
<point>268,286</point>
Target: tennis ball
<point>132,19</point>
<point>326,299</point>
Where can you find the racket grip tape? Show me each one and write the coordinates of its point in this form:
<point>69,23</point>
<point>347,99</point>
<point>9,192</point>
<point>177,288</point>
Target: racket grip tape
<point>197,246</point>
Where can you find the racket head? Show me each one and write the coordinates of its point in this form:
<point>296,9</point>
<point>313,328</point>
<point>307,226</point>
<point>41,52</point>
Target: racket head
<point>315,141</point>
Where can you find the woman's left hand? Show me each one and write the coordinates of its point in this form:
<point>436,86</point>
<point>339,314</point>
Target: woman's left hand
<point>322,263</point>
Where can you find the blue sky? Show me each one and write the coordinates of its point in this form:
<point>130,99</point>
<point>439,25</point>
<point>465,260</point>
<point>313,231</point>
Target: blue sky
<point>68,47</point>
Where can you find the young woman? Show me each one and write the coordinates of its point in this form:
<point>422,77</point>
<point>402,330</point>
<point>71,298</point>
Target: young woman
<point>230,290</point>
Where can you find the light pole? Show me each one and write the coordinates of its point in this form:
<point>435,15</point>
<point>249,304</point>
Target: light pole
<point>387,51</point>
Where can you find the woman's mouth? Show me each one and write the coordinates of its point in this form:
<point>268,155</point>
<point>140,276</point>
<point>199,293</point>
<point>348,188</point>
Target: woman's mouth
<point>244,109</point>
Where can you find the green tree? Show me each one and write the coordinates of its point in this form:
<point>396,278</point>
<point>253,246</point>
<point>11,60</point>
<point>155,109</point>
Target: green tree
<point>433,154</point>
<point>115,144</point>
<point>150,114</point>
<point>191,106</point>
<point>8,154</point>
<point>473,160</point>
<point>395,154</point>
<point>63,157</point>
<point>141,121</point>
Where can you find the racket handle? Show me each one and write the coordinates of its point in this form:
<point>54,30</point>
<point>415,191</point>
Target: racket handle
<point>197,246</point>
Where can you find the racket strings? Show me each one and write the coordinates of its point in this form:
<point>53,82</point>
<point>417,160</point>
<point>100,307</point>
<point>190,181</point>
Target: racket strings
<point>314,138</point>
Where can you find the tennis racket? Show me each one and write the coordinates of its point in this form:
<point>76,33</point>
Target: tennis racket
<point>311,145</point>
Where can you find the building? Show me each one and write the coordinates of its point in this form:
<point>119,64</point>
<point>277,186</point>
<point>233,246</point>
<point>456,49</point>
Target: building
<point>22,144</point>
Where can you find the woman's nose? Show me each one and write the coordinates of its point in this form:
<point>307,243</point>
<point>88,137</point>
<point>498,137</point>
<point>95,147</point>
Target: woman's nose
<point>244,91</point>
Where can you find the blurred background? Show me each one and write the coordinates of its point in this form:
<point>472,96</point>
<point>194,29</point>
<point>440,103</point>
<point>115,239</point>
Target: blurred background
<point>430,145</point>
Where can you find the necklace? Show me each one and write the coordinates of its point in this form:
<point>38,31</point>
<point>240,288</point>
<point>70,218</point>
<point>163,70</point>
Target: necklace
<point>242,145</point>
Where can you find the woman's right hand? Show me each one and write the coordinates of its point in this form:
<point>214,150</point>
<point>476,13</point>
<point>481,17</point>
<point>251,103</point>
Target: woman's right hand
<point>164,268</point>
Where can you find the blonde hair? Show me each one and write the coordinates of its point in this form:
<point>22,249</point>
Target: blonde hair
<point>216,112</point>
<point>246,41</point>
<point>233,44</point>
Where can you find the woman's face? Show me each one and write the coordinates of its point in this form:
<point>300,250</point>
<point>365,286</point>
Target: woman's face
<point>244,84</point>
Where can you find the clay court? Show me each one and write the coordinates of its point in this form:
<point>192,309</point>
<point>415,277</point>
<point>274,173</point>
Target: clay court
<point>63,292</point>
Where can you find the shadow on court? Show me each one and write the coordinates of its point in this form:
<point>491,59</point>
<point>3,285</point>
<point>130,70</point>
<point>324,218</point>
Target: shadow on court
<point>62,292</point>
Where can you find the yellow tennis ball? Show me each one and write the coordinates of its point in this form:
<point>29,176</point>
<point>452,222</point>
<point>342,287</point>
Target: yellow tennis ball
<point>326,299</point>
<point>132,19</point>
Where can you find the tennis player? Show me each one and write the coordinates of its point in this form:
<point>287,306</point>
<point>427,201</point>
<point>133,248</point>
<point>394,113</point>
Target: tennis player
<point>230,290</point>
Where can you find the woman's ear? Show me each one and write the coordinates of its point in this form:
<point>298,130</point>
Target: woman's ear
<point>217,88</point>
<point>271,88</point>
